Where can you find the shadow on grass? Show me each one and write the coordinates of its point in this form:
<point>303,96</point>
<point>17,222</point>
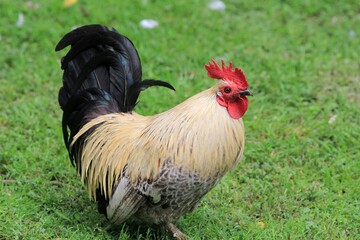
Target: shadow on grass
<point>74,209</point>
<point>134,231</point>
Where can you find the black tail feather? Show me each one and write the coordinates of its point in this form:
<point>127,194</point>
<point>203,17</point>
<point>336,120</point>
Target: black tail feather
<point>88,42</point>
<point>116,71</point>
<point>104,59</point>
<point>102,74</point>
<point>72,37</point>
<point>138,87</point>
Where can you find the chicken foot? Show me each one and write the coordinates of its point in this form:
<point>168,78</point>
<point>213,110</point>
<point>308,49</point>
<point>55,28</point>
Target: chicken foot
<point>175,232</point>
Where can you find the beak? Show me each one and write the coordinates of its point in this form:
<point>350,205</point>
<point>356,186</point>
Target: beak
<point>246,92</point>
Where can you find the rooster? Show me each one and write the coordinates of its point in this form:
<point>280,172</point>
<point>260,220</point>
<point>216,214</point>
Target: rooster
<point>145,169</point>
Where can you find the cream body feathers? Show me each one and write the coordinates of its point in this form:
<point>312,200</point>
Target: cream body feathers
<point>138,147</point>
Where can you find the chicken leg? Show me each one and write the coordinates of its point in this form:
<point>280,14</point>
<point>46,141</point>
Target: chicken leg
<point>175,232</point>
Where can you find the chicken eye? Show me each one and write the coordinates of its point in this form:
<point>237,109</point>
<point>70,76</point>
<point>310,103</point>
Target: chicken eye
<point>227,90</point>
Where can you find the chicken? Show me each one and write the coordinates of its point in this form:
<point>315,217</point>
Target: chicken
<point>145,169</point>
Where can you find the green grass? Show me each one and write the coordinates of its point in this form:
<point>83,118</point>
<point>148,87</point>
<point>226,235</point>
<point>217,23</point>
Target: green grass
<point>300,173</point>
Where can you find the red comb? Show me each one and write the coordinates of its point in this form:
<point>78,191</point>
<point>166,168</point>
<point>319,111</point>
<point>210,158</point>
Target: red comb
<point>226,73</point>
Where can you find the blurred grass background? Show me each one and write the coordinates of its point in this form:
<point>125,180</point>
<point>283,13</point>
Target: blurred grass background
<point>299,178</point>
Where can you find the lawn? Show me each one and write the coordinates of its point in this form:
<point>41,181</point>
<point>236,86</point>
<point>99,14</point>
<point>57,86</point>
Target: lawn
<point>300,175</point>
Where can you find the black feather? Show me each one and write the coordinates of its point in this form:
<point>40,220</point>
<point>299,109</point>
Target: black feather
<point>137,87</point>
<point>92,42</point>
<point>78,33</point>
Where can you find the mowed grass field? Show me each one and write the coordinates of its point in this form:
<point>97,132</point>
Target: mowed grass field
<point>300,175</point>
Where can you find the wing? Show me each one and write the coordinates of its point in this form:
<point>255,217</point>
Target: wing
<point>127,199</point>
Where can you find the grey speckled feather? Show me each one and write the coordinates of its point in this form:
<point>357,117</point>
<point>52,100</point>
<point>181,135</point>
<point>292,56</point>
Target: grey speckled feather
<point>174,193</point>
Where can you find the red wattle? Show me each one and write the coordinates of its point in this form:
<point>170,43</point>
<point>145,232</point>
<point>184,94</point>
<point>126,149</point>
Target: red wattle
<point>237,108</point>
